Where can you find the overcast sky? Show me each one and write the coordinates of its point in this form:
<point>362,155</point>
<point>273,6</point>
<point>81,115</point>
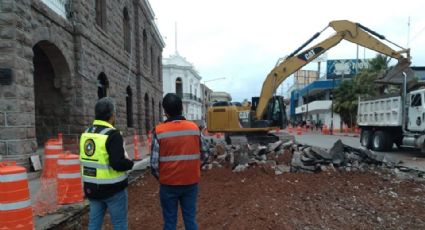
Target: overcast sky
<point>241,40</point>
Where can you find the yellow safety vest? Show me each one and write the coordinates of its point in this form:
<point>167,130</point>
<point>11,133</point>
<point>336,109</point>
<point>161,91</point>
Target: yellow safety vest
<point>94,158</point>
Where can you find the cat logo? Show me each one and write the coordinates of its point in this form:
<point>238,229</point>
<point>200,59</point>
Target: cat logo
<point>89,147</point>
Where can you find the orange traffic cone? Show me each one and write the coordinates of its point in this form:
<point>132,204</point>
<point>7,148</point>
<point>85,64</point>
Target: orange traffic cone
<point>325,130</point>
<point>345,126</point>
<point>52,149</point>
<point>69,187</point>
<point>149,139</point>
<point>299,131</point>
<point>136,146</point>
<point>356,131</point>
<point>15,201</point>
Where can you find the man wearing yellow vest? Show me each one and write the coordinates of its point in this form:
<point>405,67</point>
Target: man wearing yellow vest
<point>175,162</point>
<point>103,165</point>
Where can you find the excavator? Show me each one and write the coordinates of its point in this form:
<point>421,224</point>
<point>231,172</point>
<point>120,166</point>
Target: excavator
<point>267,112</point>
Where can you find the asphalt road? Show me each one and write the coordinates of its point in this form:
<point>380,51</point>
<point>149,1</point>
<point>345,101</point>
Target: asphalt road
<point>411,158</point>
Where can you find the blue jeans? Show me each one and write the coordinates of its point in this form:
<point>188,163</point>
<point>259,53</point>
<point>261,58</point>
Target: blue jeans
<point>170,197</point>
<point>117,206</point>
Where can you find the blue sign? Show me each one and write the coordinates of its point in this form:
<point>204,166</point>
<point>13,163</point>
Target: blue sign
<point>345,68</point>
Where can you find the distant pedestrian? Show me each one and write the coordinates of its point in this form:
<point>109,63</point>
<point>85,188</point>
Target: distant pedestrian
<point>104,164</point>
<point>177,149</point>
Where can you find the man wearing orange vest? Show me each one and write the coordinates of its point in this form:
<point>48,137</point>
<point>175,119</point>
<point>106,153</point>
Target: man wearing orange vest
<point>175,162</point>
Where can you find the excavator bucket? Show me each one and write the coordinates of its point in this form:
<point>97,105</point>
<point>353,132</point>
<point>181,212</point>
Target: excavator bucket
<point>394,76</point>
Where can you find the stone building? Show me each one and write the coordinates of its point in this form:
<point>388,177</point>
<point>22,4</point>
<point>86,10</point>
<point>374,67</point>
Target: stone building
<point>58,57</point>
<point>180,77</point>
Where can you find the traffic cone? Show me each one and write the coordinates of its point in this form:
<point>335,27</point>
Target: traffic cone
<point>345,126</point>
<point>52,149</point>
<point>356,131</point>
<point>325,130</point>
<point>136,146</point>
<point>69,187</point>
<point>290,129</point>
<point>299,131</point>
<point>15,201</point>
<point>149,139</point>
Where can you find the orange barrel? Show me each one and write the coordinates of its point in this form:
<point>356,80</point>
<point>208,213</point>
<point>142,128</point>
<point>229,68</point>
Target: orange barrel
<point>52,149</point>
<point>15,201</point>
<point>69,186</point>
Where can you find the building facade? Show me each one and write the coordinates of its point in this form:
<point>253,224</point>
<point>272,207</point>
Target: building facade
<point>206,100</point>
<point>59,57</point>
<point>180,77</point>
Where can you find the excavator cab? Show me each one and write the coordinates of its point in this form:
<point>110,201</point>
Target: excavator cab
<point>274,116</point>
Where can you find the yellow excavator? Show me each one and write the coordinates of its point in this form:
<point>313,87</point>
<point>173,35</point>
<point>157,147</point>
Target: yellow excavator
<point>267,112</point>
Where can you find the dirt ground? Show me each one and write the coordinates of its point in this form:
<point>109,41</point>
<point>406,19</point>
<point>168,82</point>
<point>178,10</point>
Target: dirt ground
<point>256,199</point>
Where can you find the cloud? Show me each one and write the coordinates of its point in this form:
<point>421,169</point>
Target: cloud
<point>242,40</point>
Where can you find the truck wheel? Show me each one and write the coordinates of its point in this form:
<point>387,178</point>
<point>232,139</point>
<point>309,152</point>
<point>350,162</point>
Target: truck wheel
<point>366,138</point>
<point>379,142</point>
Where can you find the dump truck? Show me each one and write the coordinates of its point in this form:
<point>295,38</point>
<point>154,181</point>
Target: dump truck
<point>394,119</point>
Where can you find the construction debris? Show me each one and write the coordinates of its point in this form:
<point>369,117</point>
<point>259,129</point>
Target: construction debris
<point>282,157</point>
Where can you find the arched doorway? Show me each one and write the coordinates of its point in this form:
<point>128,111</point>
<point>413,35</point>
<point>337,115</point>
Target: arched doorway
<point>51,91</point>
<point>147,114</point>
<point>179,87</point>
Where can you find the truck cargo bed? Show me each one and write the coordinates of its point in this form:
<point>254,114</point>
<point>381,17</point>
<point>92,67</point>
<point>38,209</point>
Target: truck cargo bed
<point>380,112</point>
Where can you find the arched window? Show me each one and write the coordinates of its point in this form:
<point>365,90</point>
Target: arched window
<point>129,105</point>
<point>145,47</point>
<point>102,85</point>
<point>147,114</point>
<point>179,87</point>
<point>127,33</point>
<point>101,13</point>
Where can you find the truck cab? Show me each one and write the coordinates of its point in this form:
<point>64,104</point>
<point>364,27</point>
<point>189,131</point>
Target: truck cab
<point>416,111</point>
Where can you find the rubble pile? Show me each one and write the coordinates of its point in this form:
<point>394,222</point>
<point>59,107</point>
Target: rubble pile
<point>339,157</point>
<point>289,156</point>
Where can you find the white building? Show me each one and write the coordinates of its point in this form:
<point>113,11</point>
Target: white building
<point>181,78</point>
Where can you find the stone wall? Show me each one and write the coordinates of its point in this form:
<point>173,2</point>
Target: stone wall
<point>56,62</point>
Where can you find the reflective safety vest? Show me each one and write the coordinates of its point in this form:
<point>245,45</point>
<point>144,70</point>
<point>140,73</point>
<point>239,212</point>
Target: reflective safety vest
<point>94,158</point>
<point>179,152</point>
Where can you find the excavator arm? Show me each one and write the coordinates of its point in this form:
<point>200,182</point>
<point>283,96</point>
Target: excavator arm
<point>345,29</point>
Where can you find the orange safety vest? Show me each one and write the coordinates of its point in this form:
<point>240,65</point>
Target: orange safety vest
<point>179,152</point>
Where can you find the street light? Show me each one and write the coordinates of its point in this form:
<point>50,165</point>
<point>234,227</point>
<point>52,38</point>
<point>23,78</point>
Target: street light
<point>215,79</point>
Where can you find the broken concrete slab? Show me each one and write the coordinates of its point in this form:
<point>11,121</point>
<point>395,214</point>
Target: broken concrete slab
<point>274,146</point>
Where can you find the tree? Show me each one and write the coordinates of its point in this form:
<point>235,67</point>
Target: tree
<point>345,101</point>
<point>347,94</point>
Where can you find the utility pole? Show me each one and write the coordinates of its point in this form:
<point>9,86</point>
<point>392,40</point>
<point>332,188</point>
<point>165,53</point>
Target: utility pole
<point>331,130</point>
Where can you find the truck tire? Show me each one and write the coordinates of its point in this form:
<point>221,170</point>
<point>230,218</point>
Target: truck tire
<point>366,138</point>
<point>379,142</point>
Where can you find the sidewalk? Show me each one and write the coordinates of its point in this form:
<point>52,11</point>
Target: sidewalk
<point>68,211</point>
